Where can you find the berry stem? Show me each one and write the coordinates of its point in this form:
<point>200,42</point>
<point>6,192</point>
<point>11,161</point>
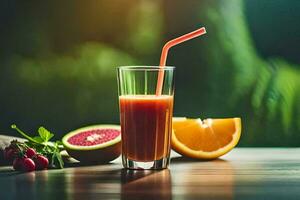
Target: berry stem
<point>24,134</point>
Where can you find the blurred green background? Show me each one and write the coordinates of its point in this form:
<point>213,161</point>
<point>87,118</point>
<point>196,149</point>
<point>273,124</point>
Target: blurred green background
<point>58,62</point>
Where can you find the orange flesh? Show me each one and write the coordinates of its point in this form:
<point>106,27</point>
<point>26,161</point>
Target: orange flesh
<point>193,136</point>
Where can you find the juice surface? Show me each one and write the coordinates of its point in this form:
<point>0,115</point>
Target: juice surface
<point>146,125</point>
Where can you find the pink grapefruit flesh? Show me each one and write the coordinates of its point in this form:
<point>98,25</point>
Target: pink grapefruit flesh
<point>94,137</point>
<point>92,144</point>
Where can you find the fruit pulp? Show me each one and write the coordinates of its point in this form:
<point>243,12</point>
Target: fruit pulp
<point>205,139</point>
<point>146,126</point>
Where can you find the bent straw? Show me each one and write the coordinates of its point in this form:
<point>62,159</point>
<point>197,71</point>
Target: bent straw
<point>165,50</point>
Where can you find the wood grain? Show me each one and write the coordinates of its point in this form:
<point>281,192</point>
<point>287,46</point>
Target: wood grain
<point>245,173</point>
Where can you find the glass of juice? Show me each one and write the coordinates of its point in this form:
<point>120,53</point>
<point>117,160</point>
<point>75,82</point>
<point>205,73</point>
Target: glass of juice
<point>145,116</point>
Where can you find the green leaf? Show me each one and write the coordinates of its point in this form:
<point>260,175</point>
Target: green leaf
<point>52,160</point>
<point>59,145</point>
<point>60,160</point>
<point>58,142</point>
<point>45,134</point>
<point>38,139</point>
<point>56,160</point>
<point>50,144</point>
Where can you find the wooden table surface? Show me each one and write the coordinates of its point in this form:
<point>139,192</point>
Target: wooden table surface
<point>245,173</point>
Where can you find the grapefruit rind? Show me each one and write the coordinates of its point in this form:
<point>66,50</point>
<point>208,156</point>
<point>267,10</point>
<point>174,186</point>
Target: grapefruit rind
<point>93,147</point>
<point>186,151</point>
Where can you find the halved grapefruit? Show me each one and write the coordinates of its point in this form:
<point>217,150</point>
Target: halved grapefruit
<point>205,139</point>
<point>91,144</point>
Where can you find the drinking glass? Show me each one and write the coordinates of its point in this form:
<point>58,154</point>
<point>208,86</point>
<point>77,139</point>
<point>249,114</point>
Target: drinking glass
<point>145,116</point>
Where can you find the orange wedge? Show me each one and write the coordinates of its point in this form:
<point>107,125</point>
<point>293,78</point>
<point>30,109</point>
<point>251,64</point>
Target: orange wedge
<point>205,139</point>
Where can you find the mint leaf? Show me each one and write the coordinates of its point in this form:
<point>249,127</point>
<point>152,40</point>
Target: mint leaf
<point>59,145</point>
<point>58,142</point>
<point>45,134</point>
<point>38,139</point>
<point>57,160</point>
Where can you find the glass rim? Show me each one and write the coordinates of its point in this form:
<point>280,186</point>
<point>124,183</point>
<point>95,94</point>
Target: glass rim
<point>145,68</point>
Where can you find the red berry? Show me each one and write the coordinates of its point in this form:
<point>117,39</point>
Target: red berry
<point>9,154</point>
<point>17,164</point>
<point>30,152</point>
<point>28,165</point>
<point>5,152</point>
<point>41,162</point>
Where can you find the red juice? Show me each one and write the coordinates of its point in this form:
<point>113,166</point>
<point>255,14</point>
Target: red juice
<point>146,125</point>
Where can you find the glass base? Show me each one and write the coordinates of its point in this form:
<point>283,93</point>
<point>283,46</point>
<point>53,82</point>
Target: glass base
<point>151,165</point>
